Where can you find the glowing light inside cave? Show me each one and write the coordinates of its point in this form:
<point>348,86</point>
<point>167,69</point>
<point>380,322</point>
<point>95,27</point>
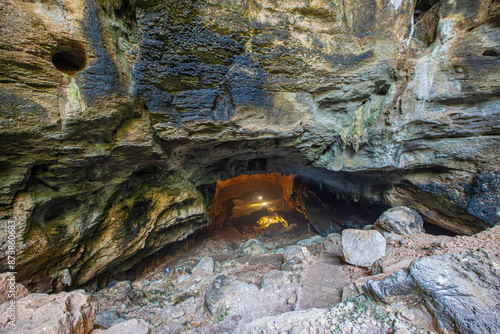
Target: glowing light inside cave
<point>265,221</point>
<point>249,197</point>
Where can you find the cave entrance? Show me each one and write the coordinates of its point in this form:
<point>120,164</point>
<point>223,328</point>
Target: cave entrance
<point>258,204</point>
<point>277,210</point>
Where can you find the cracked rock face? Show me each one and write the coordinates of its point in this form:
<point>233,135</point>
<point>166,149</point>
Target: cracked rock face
<point>115,114</point>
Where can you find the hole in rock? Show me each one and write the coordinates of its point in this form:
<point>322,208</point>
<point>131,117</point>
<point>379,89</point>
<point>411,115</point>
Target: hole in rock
<point>491,53</point>
<point>70,58</point>
<point>383,90</point>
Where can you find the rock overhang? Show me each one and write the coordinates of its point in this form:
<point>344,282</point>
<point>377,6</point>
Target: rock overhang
<point>335,94</point>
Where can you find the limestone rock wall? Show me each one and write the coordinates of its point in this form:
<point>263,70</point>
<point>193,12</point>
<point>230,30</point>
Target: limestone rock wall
<point>115,112</point>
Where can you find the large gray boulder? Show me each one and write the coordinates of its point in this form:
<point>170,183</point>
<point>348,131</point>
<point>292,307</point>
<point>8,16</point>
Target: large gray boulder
<point>362,248</point>
<point>461,291</point>
<point>400,220</point>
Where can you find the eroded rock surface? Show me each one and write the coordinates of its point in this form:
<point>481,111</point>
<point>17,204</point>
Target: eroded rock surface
<point>362,248</point>
<point>64,312</point>
<point>461,291</point>
<point>117,116</point>
<point>400,220</point>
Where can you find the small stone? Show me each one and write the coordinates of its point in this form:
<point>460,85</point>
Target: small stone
<point>207,264</point>
<point>108,319</point>
<point>220,281</point>
<point>293,265</point>
<point>253,247</point>
<point>176,313</point>
<point>311,241</point>
<point>291,252</point>
<point>217,267</point>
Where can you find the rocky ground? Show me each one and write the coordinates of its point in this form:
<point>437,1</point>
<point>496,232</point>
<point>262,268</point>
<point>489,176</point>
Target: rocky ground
<point>289,280</point>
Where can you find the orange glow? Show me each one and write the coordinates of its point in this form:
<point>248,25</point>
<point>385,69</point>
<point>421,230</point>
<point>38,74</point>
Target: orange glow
<point>245,194</point>
<point>265,221</point>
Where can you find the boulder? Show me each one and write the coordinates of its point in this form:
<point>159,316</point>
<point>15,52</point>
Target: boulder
<point>362,248</point>
<point>211,298</point>
<point>400,220</point>
<point>461,291</point>
<point>65,312</point>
